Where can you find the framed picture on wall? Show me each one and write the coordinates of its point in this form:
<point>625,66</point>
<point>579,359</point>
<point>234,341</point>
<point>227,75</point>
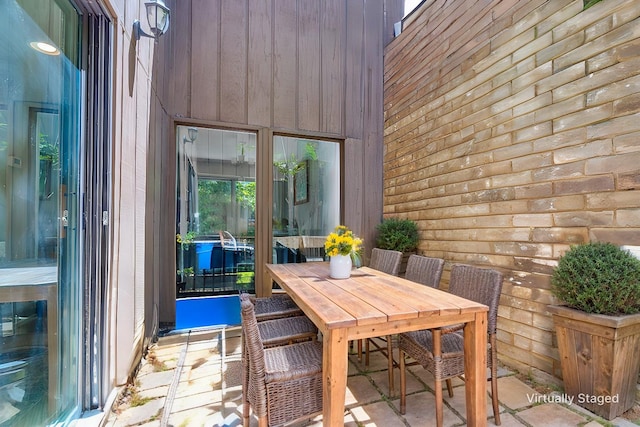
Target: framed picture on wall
<point>301,184</point>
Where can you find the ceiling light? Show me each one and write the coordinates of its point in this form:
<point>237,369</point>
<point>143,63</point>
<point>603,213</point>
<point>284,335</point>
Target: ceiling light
<point>46,48</point>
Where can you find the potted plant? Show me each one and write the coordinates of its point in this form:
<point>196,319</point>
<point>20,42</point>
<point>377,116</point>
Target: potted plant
<point>598,327</point>
<point>343,249</point>
<point>398,235</point>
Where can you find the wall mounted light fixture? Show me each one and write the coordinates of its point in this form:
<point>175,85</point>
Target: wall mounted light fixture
<point>157,17</point>
<point>193,134</point>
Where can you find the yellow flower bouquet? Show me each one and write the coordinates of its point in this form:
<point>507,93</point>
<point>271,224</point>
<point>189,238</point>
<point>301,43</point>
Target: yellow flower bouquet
<point>342,242</point>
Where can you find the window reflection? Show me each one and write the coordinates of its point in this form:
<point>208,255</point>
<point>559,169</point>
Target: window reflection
<point>306,197</point>
<point>215,230</point>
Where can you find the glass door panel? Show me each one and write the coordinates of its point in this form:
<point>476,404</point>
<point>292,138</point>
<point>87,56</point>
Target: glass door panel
<point>39,211</point>
<point>216,203</point>
<point>306,197</point>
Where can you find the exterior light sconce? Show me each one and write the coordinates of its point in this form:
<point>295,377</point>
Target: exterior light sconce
<point>193,134</point>
<point>157,17</point>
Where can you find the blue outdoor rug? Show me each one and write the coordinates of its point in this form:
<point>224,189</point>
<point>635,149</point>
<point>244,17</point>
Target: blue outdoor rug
<point>202,312</point>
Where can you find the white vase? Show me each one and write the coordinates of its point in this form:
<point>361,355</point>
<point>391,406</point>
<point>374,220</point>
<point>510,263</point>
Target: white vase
<point>340,266</point>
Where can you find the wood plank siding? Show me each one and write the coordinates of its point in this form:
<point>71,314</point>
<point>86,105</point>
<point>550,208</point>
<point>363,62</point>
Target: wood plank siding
<point>511,132</point>
<point>296,67</point>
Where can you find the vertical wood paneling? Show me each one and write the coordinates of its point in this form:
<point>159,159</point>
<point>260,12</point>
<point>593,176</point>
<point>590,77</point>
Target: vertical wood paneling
<point>333,59</point>
<point>285,51</point>
<point>180,64</point>
<point>372,132</point>
<point>354,189</point>
<point>353,69</point>
<point>205,35</point>
<point>309,99</point>
<point>260,61</point>
<point>233,57</point>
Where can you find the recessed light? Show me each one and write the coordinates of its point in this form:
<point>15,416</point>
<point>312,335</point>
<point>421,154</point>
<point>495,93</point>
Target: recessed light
<point>45,48</point>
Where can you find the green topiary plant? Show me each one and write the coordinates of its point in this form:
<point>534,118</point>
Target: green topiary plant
<point>397,234</point>
<point>598,278</point>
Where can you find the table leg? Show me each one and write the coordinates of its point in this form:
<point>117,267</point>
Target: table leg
<point>334,369</point>
<point>475,366</point>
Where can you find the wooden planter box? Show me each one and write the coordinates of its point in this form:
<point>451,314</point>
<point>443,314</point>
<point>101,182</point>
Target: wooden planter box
<point>599,358</point>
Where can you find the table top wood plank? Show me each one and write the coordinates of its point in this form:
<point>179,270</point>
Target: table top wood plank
<point>358,298</point>
<point>420,296</point>
<point>310,298</point>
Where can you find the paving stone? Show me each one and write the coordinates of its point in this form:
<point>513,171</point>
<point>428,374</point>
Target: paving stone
<point>360,390</point>
<point>551,414</point>
<point>375,414</point>
<point>140,414</point>
<point>421,411</point>
<point>155,379</point>
<point>515,394</point>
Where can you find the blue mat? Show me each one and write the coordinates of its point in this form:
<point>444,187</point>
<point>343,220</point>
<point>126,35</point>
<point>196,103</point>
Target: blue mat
<point>200,312</point>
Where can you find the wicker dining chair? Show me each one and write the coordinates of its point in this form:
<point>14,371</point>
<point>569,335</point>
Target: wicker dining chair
<point>275,332</point>
<point>284,382</point>
<point>440,350</point>
<point>387,261</point>
<point>275,307</point>
<point>424,270</point>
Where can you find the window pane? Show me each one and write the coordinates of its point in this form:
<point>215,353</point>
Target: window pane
<point>216,211</point>
<point>306,197</point>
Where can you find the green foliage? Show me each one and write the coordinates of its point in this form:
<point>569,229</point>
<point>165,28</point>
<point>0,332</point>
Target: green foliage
<point>598,278</point>
<point>589,3</point>
<point>213,199</point>
<point>397,234</point>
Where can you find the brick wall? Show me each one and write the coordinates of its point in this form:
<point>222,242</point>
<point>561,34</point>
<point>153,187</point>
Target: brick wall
<point>512,130</point>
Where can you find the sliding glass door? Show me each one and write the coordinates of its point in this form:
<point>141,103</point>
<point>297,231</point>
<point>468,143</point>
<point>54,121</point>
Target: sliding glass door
<point>40,303</point>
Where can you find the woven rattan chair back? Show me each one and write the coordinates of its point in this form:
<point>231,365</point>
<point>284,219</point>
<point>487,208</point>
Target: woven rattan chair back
<point>386,260</point>
<point>275,307</point>
<point>481,285</point>
<point>254,357</point>
<point>424,270</point>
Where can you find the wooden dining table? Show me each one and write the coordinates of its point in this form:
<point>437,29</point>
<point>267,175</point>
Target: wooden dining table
<point>370,304</point>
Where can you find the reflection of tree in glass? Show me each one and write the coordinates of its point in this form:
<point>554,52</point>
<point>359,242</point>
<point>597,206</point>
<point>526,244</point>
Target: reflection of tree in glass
<point>214,199</point>
<point>246,194</point>
<point>48,150</point>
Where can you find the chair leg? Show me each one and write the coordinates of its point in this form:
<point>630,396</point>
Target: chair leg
<point>366,353</point>
<point>390,366</point>
<point>439,406</point>
<point>262,421</point>
<point>450,387</point>
<point>359,350</point>
<point>494,400</point>
<point>403,384</point>
<point>245,385</point>
<point>494,379</point>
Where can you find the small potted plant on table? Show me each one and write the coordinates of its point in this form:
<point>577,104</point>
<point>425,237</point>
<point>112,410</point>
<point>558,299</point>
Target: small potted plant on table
<point>598,327</point>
